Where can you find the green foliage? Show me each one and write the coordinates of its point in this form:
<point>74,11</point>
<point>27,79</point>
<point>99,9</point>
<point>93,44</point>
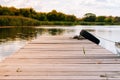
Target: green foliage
<point>116,20</point>
<point>58,16</point>
<point>52,16</point>
<point>71,18</point>
<point>109,19</point>
<point>40,17</point>
<point>100,19</point>
<point>89,17</point>
<point>31,13</point>
<point>10,16</point>
<point>27,12</point>
<point>17,21</point>
<point>57,23</point>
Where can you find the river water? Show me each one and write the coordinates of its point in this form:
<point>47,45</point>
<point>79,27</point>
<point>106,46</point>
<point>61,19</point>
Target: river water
<point>13,38</point>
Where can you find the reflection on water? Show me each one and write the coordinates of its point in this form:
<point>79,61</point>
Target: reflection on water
<point>14,33</point>
<point>26,33</point>
<point>11,39</point>
<point>49,32</point>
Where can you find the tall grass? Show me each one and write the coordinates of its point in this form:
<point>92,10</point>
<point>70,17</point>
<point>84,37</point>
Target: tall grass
<point>57,23</point>
<point>17,21</point>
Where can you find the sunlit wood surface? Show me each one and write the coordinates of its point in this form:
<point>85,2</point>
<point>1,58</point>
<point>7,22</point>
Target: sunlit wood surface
<point>61,58</point>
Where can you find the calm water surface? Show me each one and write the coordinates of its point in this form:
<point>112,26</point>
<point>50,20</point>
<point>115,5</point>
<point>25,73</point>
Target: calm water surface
<point>12,39</point>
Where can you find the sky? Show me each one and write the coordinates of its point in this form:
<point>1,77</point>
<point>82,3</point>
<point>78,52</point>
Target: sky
<point>75,7</point>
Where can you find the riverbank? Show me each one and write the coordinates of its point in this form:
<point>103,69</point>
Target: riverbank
<point>23,21</point>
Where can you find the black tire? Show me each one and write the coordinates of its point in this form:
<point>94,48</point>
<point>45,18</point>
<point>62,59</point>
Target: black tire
<point>89,36</point>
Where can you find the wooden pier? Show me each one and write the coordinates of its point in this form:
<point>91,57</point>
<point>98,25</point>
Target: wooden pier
<point>61,58</point>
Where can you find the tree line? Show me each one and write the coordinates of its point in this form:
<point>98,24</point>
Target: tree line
<point>41,16</point>
<point>56,16</point>
<point>90,17</point>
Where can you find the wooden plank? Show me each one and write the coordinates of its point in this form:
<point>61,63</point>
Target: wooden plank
<point>60,61</point>
<point>61,58</point>
<point>61,67</point>
<point>60,73</point>
<point>71,51</point>
<point>54,77</point>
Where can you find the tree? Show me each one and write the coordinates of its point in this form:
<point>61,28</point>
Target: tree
<point>100,19</point>
<point>27,12</point>
<point>109,19</point>
<point>13,11</point>
<point>60,16</point>
<point>24,12</point>
<point>32,12</point>
<point>89,17</point>
<point>116,19</point>
<point>9,11</point>
<point>41,16</point>
<point>71,18</point>
<point>4,11</point>
<point>52,16</point>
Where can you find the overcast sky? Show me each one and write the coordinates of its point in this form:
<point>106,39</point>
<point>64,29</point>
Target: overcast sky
<point>76,7</point>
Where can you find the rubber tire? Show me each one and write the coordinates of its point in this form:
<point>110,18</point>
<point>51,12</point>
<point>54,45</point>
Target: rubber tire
<point>89,36</point>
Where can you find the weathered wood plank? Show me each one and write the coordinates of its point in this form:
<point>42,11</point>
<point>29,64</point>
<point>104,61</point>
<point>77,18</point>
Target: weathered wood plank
<point>56,77</point>
<point>60,61</point>
<point>61,67</point>
<point>60,73</point>
<point>61,58</point>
